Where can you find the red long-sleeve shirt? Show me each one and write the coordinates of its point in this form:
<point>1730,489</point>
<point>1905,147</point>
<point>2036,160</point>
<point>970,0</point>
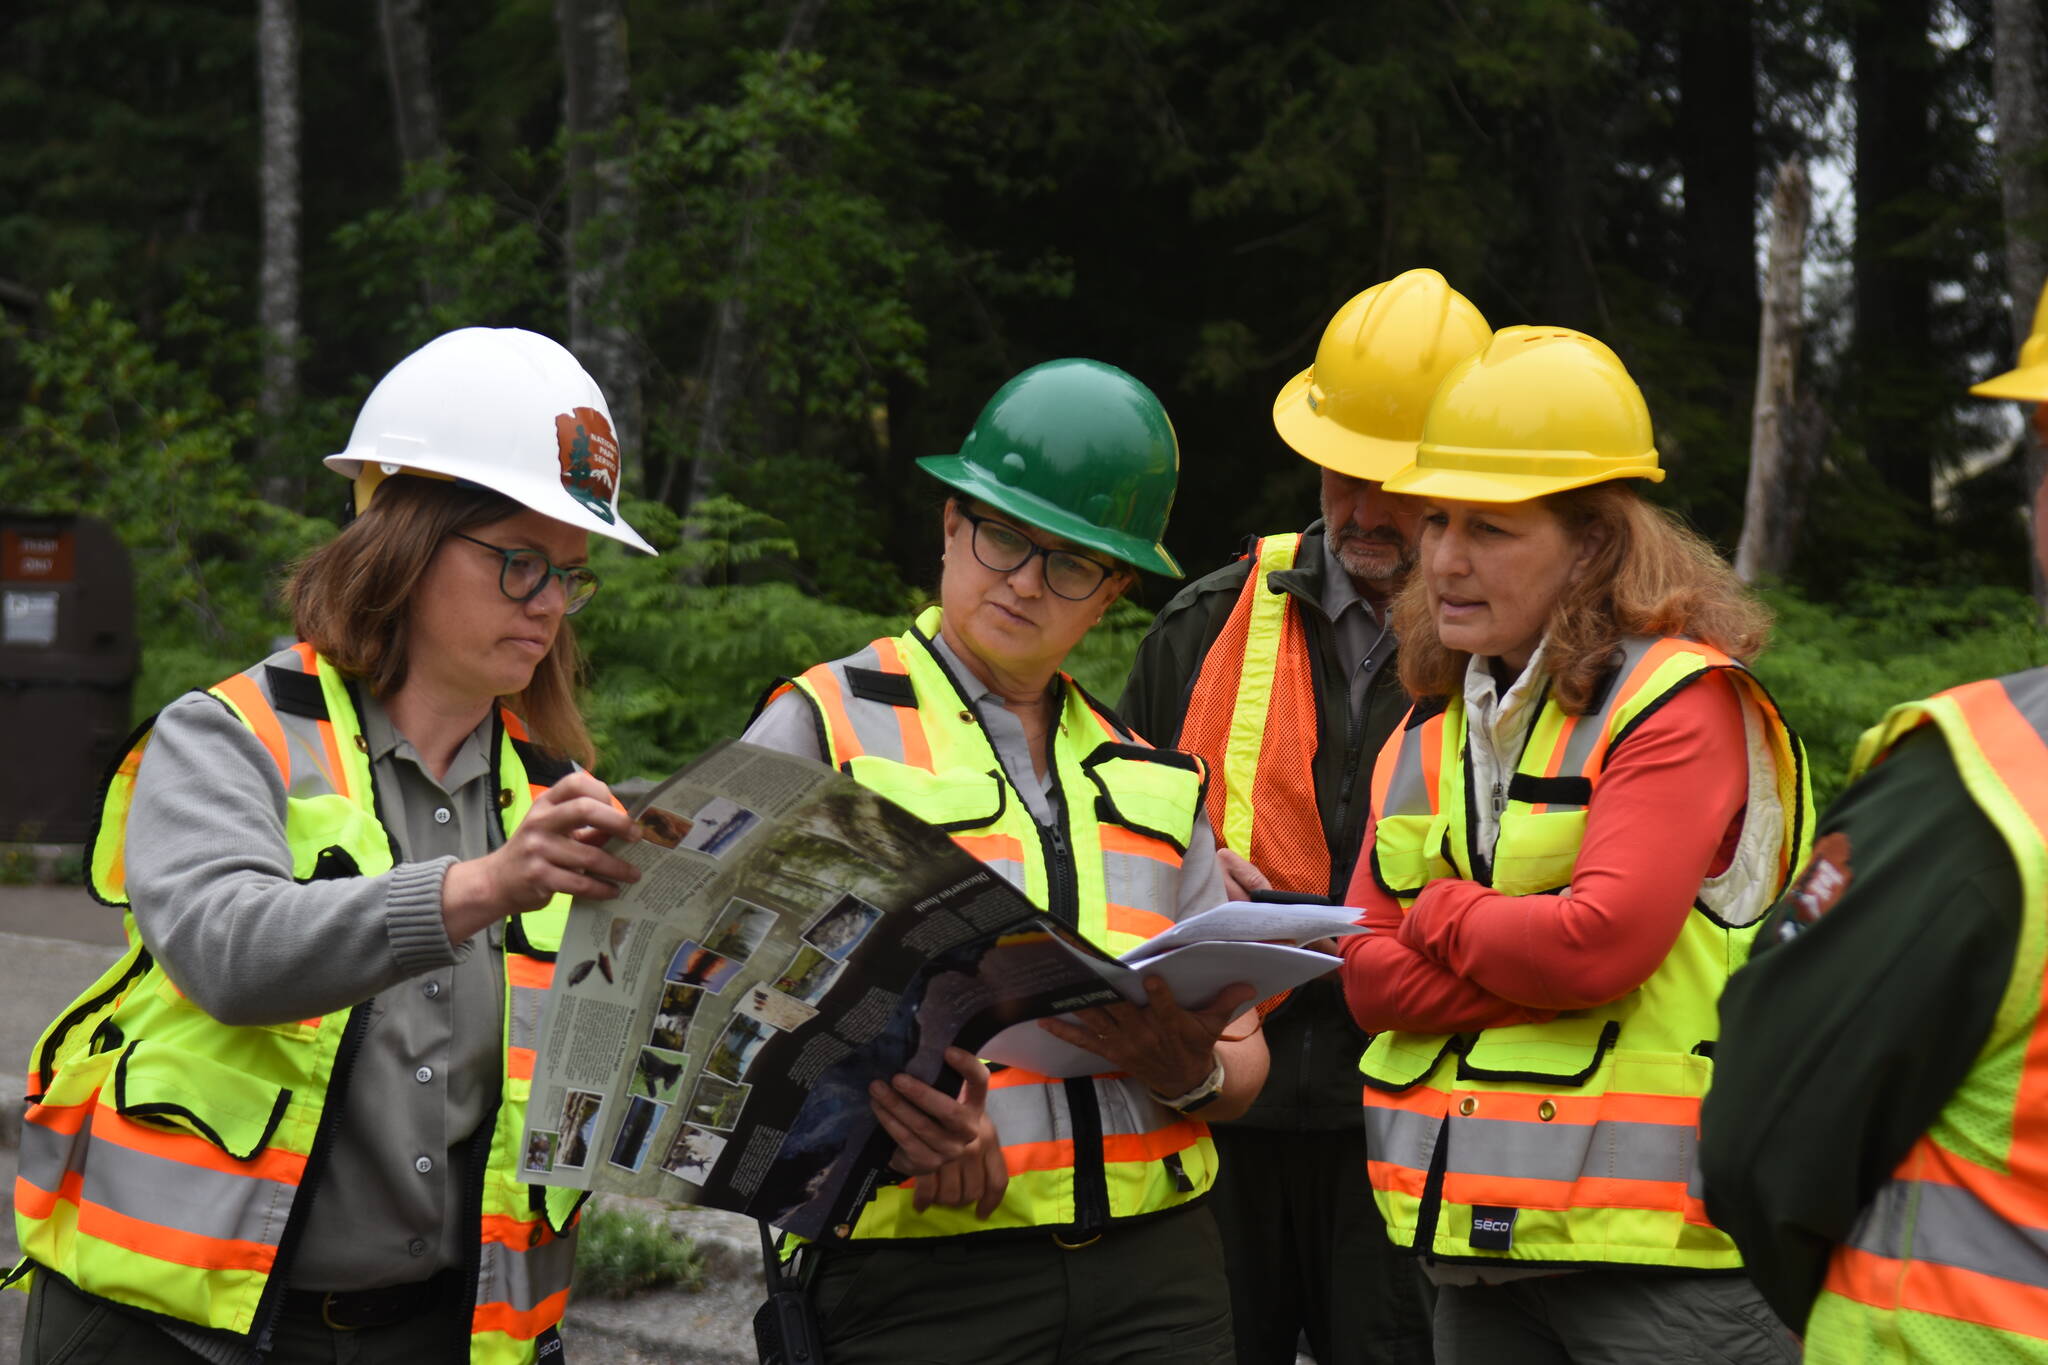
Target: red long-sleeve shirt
<point>1666,816</point>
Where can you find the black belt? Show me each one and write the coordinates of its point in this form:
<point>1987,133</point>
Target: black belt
<point>352,1310</point>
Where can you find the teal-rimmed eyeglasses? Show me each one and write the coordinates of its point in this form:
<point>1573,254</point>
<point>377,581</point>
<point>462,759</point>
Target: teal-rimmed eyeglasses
<point>525,574</point>
<point>1005,549</point>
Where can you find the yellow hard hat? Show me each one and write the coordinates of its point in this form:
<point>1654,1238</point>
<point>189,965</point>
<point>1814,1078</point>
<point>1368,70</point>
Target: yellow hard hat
<point>2028,381</point>
<point>1540,410</point>
<point>1359,408</point>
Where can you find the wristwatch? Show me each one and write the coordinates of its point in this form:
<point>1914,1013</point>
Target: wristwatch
<point>1201,1096</point>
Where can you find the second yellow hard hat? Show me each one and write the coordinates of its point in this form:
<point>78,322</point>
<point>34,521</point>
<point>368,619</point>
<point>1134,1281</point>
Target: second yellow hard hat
<point>1358,409</point>
<point>1540,410</point>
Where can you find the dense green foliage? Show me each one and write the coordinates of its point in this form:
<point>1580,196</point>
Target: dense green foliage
<point>860,217</point>
<point>623,1250</point>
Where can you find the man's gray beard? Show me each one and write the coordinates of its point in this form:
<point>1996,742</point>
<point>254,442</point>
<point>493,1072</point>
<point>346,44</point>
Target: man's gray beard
<point>1378,571</point>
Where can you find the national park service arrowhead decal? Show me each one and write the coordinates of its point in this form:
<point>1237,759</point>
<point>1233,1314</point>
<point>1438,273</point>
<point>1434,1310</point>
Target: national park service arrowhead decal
<point>590,459</point>
<point>1826,877</point>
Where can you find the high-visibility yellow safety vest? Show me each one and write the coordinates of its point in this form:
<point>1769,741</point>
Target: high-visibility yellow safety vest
<point>1949,1261</point>
<point>1090,1150</point>
<point>1252,717</point>
<point>1572,1142</point>
<point>164,1155</point>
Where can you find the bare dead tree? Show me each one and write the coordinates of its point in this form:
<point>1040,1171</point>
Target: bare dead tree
<point>2019,56</point>
<point>1780,461</point>
<point>415,113</point>
<point>277,64</point>
<point>598,100</point>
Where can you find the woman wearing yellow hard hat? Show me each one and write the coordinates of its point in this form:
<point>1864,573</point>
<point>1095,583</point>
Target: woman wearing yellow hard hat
<point>1573,838</point>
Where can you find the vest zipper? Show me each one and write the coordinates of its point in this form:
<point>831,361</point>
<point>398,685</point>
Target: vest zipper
<point>272,1302</point>
<point>1063,902</point>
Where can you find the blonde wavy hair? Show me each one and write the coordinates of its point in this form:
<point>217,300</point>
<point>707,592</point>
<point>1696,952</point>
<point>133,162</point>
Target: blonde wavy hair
<point>350,599</point>
<point>1649,575</point>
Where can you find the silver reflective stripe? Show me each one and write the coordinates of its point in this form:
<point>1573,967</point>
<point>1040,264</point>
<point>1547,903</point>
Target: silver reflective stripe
<point>1038,1113</point>
<point>874,723</point>
<point>1142,883</point>
<point>310,776</point>
<point>1517,1149</point>
<point>1913,1220</point>
<point>1401,1137</point>
<point>525,1279</point>
<point>1128,1107</point>
<point>526,1007</point>
<point>1592,727</point>
<point>1407,793</point>
<point>2028,693</point>
<point>1009,869</point>
<point>1030,1113</point>
<point>153,1189</point>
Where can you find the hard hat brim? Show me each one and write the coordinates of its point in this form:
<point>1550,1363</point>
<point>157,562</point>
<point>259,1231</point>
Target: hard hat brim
<point>1475,483</point>
<point>2027,384</point>
<point>955,472</point>
<point>1331,444</point>
<point>539,495</point>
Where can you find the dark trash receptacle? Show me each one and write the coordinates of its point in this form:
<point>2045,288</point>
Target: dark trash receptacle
<point>68,658</point>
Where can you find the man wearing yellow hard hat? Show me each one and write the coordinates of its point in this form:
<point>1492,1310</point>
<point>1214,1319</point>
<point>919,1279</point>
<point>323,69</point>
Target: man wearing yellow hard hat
<point>1885,1170</point>
<point>1278,669</point>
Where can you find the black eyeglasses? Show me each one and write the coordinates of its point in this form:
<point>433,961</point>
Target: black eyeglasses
<point>525,574</point>
<point>1004,548</point>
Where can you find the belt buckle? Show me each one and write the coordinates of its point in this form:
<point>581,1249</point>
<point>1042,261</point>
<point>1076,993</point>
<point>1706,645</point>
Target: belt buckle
<point>1064,1245</point>
<point>327,1315</point>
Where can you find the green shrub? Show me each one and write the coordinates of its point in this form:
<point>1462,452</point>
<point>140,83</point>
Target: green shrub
<point>1836,668</point>
<point>622,1251</point>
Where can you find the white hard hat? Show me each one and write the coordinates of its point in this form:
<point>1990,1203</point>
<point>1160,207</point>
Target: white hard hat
<point>505,409</point>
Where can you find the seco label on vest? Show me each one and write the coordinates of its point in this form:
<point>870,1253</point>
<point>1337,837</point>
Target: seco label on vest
<point>548,1349</point>
<point>1493,1229</point>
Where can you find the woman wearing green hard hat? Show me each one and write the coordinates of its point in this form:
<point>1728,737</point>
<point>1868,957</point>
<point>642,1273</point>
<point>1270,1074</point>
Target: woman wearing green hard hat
<point>1573,839</point>
<point>1072,1233</point>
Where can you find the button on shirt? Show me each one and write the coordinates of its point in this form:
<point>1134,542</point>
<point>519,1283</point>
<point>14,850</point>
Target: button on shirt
<point>430,1058</point>
<point>1365,643</point>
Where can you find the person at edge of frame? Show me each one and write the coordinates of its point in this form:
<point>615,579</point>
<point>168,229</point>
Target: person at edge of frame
<point>1574,836</point>
<point>1078,1233</point>
<point>287,1125</point>
<point>1279,670</point>
<point>1874,1137</point>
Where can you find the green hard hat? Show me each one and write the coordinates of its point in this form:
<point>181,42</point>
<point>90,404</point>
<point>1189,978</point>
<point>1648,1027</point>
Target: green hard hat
<point>1079,449</point>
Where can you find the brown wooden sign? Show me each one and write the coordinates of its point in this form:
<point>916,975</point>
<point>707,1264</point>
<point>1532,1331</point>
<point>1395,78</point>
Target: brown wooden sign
<point>35,557</point>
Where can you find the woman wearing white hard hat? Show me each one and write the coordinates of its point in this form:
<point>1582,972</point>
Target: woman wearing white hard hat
<point>1573,840</point>
<point>290,1117</point>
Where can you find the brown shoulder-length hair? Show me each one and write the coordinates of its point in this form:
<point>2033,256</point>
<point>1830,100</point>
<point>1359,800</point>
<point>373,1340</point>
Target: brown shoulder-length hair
<point>350,599</point>
<point>1649,575</point>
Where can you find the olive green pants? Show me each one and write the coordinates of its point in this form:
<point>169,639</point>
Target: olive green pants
<point>1149,1293</point>
<point>1611,1317</point>
<point>66,1326</point>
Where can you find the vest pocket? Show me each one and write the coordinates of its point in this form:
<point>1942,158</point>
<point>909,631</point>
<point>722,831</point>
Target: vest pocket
<point>1147,791</point>
<point>1396,1061</point>
<point>1563,1052</point>
<point>1536,850</point>
<point>951,800</point>
<point>169,1087</point>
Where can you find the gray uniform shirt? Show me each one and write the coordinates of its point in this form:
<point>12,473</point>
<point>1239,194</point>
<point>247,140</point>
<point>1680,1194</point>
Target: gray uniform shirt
<point>210,878</point>
<point>1360,632</point>
<point>789,726</point>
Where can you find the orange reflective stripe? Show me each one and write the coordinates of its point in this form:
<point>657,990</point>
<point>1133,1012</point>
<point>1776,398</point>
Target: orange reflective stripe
<point>825,688</point>
<point>521,1326</point>
<point>529,973</point>
<point>1942,1291</point>
<point>309,658</point>
<point>1117,839</point>
<point>1124,919</point>
<point>1117,1148</point>
<point>1016,1075</point>
<point>1586,1192</point>
<point>1385,1175</point>
<point>1614,1107</point>
<point>249,700</point>
<point>170,1244</point>
<point>514,726</point>
<point>1653,659</point>
<point>917,750</point>
<point>521,1234</point>
<point>519,1063</point>
<point>1433,759</point>
<point>992,848</point>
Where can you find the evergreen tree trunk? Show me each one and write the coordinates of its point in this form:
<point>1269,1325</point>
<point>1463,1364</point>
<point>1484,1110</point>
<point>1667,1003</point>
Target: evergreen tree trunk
<point>2019,72</point>
<point>597,102</point>
<point>727,344</point>
<point>277,65</point>
<point>1894,355</point>
<point>415,113</point>
<point>1780,459</point>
